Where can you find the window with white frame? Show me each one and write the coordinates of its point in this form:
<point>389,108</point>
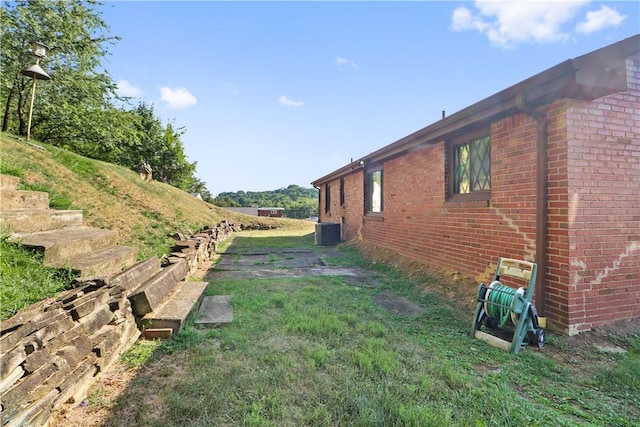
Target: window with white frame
<point>374,191</point>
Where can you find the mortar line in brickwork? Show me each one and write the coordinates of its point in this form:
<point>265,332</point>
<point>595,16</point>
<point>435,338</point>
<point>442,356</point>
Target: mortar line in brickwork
<point>530,246</point>
<point>575,262</point>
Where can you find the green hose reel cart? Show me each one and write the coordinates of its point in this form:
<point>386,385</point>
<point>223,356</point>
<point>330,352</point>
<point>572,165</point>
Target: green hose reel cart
<point>505,310</point>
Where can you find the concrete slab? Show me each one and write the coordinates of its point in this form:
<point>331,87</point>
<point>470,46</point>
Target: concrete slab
<point>248,262</point>
<point>241,262</point>
<point>247,274</point>
<point>301,261</point>
<point>285,262</point>
<point>360,281</point>
<point>332,271</point>
<point>264,251</point>
<point>287,272</point>
<point>296,251</point>
<point>215,310</point>
<point>279,272</point>
<point>173,311</point>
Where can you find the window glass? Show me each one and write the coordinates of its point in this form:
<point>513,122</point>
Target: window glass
<point>374,193</point>
<point>472,166</point>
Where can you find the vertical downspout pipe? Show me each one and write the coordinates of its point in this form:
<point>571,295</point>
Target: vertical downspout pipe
<point>541,199</point>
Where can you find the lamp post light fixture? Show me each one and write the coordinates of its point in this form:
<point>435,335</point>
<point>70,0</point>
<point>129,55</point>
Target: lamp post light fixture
<point>39,50</point>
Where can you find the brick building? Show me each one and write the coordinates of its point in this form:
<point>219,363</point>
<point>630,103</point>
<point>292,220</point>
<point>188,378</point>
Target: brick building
<point>272,212</point>
<point>547,170</point>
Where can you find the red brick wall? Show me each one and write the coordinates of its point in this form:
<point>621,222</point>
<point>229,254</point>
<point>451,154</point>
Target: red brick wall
<point>267,212</point>
<point>604,207</point>
<point>557,274</point>
<point>349,214</point>
<point>467,237</point>
<point>593,236</point>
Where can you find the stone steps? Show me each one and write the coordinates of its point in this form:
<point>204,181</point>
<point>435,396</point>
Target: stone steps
<point>61,245</point>
<point>59,234</point>
<point>87,250</point>
<point>35,220</point>
<point>9,182</point>
<point>52,351</point>
<point>18,199</point>
<point>66,243</point>
<point>157,294</point>
<point>101,261</point>
<point>28,211</point>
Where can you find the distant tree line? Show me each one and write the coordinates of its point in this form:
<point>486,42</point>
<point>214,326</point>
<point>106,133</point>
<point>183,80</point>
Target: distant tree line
<point>298,202</point>
<point>79,109</point>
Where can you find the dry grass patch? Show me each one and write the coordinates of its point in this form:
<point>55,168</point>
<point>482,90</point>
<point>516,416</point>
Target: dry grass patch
<point>145,214</point>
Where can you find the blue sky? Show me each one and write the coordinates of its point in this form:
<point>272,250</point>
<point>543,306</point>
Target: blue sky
<point>280,93</point>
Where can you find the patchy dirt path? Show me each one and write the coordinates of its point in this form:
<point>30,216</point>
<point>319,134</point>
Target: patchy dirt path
<point>571,352</point>
<point>232,264</point>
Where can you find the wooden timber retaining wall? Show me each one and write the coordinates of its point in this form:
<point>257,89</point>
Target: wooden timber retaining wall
<point>52,351</point>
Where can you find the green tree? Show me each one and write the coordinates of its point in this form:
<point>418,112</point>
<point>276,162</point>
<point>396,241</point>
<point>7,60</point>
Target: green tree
<point>79,88</point>
<point>196,185</point>
<point>161,147</point>
<point>298,202</point>
<point>172,165</point>
<point>76,109</point>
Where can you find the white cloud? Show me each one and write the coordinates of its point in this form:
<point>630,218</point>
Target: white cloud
<point>507,24</point>
<point>177,98</point>
<point>340,61</point>
<point>600,19</point>
<point>126,89</point>
<point>289,103</point>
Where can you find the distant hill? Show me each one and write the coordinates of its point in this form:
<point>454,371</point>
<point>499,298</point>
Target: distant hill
<point>145,214</point>
<point>298,202</point>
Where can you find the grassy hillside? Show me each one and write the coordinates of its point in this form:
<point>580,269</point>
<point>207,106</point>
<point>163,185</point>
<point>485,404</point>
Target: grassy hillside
<point>145,214</point>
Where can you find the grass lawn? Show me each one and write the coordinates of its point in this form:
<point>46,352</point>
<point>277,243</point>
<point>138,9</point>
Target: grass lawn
<point>24,280</point>
<point>316,351</point>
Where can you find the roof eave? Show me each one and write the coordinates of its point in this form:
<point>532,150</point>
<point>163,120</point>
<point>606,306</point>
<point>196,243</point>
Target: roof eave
<point>583,78</point>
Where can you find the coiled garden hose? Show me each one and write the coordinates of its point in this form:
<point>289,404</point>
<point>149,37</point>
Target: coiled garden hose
<point>498,302</point>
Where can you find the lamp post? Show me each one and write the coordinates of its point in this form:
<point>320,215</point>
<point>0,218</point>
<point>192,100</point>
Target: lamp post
<point>39,50</point>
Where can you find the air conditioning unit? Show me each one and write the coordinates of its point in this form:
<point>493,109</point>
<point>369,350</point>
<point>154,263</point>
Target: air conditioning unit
<point>327,233</point>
